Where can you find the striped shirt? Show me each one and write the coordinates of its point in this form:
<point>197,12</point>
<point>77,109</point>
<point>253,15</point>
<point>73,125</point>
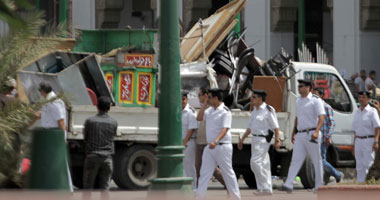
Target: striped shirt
<point>328,126</point>
<point>99,132</point>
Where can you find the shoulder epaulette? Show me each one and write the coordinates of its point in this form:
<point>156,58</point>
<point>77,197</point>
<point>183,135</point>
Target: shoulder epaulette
<point>315,96</point>
<point>269,108</point>
<point>226,108</point>
<point>192,109</point>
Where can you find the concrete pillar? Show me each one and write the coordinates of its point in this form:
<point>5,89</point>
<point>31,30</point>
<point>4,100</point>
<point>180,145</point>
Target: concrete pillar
<point>346,36</point>
<point>270,26</point>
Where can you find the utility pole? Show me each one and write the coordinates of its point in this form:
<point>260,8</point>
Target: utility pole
<point>301,22</point>
<point>170,149</point>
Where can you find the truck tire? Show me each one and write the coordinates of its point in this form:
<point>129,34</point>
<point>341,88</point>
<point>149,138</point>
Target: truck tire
<point>134,166</point>
<point>249,178</point>
<point>307,174</point>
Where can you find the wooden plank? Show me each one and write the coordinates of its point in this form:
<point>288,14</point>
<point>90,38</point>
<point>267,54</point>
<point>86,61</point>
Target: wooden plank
<point>218,39</point>
<point>215,26</point>
<point>274,86</point>
<point>191,48</point>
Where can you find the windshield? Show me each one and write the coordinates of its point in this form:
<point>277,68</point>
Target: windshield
<point>334,92</point>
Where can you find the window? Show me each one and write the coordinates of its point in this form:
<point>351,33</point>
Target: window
<point>335,94</point>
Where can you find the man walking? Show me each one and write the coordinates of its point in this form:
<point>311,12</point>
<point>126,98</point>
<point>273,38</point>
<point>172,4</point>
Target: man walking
<point>202,142</point>
<point>261,125</point>
<point>366,125</point>
<point>99,132</point>
<point>189,127</point>
<point>327,131</point>
<point>219,149</point>
<point>310,116</point>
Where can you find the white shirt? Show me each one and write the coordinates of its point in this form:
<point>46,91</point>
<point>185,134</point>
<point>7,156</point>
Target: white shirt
<point>189,120</point>
<point>262,119</point>
<point>308,110</point>
<point>365,121</point>
<point>216,120</point>
<point>52,112</point>
<point>369,82</point>
<point>359,81</point>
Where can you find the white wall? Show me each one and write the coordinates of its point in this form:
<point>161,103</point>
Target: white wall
<point>346,36</point>
<point>257,20</point>
<point>83,14</point>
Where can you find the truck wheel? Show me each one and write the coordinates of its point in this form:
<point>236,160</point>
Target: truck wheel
<point>134,166</point>
<point>249,179</point>
<point>307,174</point>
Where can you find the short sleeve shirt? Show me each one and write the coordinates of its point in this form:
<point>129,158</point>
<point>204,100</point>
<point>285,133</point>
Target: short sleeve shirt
<point>52,112</point>
<point>216,120</point>
<point>359,81</point>
<point>262,119</point>
<point>365,121</point>
<point>368,82</point>
<point>189,120</point>
<point>308,109</point>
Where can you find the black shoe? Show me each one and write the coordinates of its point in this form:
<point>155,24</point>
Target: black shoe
<point>326,178</point>
<point>286,189</point>
<point>340,177</point>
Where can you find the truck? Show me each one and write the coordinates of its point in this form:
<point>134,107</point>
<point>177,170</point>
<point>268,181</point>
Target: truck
<point>137,135</point>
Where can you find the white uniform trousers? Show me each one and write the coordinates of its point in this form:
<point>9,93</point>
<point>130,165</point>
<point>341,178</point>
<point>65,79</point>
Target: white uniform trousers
<point>260,163</point>
<point>220,156</point>
<point>364,156</point>
<point>189,162</point>
<point>302,147</point>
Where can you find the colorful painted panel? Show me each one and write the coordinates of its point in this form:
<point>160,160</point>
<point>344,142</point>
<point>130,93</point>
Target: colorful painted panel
<point>144,88</point>
<point>126,80</point>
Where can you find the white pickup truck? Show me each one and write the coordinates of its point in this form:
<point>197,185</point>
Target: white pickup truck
<point>135,163</point>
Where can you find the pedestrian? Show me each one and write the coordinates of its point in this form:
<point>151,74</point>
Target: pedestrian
<point>370,84</point>
<point>202,142</point>
<point>306,137</point>
<point>219,149</point>
<point>359,81</point>
<point>366,125</point>
<point>261,125</point>
<point>189,128</point>
<point>53,115</point>
<point>327,131</point>
<point>99,132</point>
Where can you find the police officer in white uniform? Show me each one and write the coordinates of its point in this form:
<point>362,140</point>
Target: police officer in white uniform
<point>366,125</point>
<point>263,118</point>
<point>219,149</point>
<point>310,116</point>
<point>189,127</point>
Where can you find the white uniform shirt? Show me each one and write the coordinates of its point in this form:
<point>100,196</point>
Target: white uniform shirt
<point>189,120</point>
<point>368,82</point>
<point>52,112</point>
<point>308,110</point>
<point>262,119</point>
<point>359,81</point>
<point>216,120</point>
<point>365,121</point>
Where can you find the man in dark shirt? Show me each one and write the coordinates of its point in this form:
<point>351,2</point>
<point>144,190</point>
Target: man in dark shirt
<point>99,132</point>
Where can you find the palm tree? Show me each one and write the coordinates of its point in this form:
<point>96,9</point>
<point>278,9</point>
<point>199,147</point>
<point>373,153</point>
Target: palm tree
<point>17,49</point>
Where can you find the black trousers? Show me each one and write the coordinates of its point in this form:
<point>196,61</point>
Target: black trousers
<point>97,168</point>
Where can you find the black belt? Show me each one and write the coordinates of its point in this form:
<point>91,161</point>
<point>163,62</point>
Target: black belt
<point>365,137</point>
<point>306,130</point>
<point>257,135</point>
<point>221,143</point>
